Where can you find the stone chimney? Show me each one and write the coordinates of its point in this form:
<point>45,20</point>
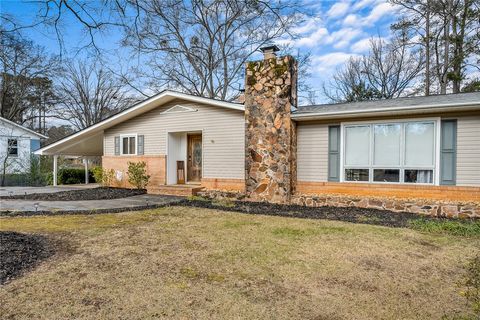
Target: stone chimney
<point>270,134</point>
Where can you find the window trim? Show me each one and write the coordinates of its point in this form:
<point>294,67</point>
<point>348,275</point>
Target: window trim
<point>17,147</point>
<point>130,135</point>
<point>436,151</point>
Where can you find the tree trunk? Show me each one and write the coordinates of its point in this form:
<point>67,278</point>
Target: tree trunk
<point>427,50</point>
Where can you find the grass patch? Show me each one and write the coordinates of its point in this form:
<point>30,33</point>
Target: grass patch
<point>450,227</point>
<point>195,263</point>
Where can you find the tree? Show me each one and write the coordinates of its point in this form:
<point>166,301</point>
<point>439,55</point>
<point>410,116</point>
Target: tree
<point>88,94</point>
<point>200,46</point>
<point>25,85</point>
<point>472,86</point>
<point>56,133</point>
<point>449,31</point>
<point>386,72</point>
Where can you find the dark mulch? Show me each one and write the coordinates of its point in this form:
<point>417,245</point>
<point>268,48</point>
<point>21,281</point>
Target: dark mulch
<point>21,252</point>
<point>347,214</point>
<point>101,193</point>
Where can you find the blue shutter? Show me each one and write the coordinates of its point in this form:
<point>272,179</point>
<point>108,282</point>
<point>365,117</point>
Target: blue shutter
<point>140,145</point>
<point>448,152</point>
<point>34,145</point>
<point>334,153</point>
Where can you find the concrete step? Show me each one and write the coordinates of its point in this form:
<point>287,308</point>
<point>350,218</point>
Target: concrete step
<point>175,190</point>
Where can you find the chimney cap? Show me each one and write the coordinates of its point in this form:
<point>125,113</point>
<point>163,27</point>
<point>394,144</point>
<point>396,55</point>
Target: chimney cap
<point>272,48</point>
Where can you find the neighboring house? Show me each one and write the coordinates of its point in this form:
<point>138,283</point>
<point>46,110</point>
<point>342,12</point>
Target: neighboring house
<point>420,148</point>
<point>17,144</point>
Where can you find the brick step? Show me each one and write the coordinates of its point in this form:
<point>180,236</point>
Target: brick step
<point>176,190</point>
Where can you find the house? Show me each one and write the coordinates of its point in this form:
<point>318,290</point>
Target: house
<point>379,154</point>
<point>17,144</point>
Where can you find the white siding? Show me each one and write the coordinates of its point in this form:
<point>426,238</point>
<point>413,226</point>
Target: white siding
<point>223,135</point>
<point>468,151</point>
<point>20,163</point>
<point>312,152</point>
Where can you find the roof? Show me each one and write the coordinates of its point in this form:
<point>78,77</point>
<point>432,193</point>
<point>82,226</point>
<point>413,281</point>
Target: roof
<point>437,103</point>
<point>89,141</point>
<point>16,125</point>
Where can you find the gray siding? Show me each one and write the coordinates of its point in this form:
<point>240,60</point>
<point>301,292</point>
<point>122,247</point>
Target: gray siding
<point>312,152</point>
<point>223,135</point>
<point>468,151</point>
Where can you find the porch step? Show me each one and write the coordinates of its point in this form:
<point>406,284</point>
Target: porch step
<point>176,190</point>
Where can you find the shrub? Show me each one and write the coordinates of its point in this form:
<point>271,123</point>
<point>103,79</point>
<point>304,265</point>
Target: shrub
<point>74,176</point>
<point>463,228</point>
<point>103,176</point>
<point>137,174</point>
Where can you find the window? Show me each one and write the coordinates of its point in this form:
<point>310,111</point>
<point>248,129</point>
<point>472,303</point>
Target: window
<point>12,147</point>
<point>128,145</point>
<point>402,152</point>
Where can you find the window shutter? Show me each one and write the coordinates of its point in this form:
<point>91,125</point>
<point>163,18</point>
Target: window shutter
<point>448,152</point>
<point>117,146</point>
<point>334,153</point>
<point>140,145</point>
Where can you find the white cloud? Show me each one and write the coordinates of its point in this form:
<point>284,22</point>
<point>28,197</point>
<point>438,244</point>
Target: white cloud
<point>338,10</point>
<point>361,46</point>
<point>328,62</point>
<point>364,3</point>
<point>342,38</point>
<point>308,25</point>
<point>378,12</point>
<point>313,39</point>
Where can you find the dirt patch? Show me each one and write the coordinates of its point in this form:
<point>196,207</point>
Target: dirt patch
<point>101,193</point>
<point>20,252</point>
<point>347,214</point>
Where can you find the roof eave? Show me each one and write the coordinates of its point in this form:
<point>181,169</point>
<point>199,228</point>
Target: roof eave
<point>384,112</point>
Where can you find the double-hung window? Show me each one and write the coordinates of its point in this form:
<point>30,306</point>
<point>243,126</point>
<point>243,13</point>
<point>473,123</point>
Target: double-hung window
<point>128,144</point>
<point>394,152</point>
<point>12,147</point>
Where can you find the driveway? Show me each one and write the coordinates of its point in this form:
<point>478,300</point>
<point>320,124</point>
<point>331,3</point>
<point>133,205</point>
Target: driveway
<point>13,191</point>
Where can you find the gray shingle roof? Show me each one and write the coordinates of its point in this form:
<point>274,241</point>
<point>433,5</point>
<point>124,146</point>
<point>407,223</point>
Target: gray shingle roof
<point>384,105</point>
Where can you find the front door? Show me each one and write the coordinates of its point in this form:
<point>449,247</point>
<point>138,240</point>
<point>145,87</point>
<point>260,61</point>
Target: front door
<point>194,161</point>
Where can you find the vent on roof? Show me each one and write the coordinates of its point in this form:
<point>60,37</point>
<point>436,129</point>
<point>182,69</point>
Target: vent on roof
<point>178,108</point>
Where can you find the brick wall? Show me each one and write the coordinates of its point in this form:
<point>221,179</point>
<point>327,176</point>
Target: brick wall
<point>156,166</point>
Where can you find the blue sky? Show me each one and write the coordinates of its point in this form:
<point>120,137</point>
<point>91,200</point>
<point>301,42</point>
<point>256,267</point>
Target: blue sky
<point>333,32</point>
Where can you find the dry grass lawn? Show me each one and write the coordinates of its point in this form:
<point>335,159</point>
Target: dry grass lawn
<point>188,263</point>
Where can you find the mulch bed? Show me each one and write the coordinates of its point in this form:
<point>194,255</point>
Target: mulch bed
<point>21,252</point>
<point>347,214</point>
<point>101,193</point>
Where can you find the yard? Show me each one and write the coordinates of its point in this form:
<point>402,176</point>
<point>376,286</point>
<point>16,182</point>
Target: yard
<point>195,263</point>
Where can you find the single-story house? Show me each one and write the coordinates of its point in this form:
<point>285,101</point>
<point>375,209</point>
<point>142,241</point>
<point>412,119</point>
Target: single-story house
<point>17,144</point>
<point>273,150</point>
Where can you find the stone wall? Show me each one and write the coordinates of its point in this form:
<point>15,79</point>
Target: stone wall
<point>270,140</point>
<point>429,207</point>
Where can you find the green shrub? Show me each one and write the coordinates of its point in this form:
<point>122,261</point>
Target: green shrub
<point>97,173</point>
<point>103,176</point>
<point>74,176</point>
<point>137,174</point>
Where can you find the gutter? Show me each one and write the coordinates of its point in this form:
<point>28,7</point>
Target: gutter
<point>383,111</point>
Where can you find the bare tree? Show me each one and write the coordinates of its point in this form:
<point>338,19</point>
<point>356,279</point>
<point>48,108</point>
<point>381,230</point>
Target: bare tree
<point>201,46</point>
<point>449,30</point>
<point>25,69</point>
<point>384,73</point>
<point>88,94</point>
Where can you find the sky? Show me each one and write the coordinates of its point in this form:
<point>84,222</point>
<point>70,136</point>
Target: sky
<point>333,32</point>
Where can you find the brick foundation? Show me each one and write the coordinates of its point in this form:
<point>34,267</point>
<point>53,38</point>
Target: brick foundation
<point>156,168</point>
<point>442,193</point>
<point>236,185</point>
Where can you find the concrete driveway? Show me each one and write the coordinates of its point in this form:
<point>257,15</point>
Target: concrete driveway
<point>31,206</point>
<point>13,191</point>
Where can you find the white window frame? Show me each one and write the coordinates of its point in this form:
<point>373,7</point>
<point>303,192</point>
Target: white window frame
<point>402,167</point>
<point>131,135</point>
<point>17,147</point>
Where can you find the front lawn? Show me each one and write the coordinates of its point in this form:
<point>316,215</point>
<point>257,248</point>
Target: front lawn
<point>194,263</point>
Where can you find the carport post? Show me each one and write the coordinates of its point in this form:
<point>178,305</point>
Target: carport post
<point>55,169</point>
<point>85,161</point>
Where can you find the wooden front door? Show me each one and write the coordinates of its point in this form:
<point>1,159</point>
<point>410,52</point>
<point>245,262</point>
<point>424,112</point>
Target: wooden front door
<point>194,160</point>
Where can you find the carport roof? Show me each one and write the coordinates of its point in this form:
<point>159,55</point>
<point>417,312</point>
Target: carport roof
<point>89,141</point>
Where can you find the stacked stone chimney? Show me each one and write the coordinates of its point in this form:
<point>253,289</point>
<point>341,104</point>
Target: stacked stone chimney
<point>270,93</point>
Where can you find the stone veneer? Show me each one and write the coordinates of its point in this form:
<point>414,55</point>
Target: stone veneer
<point>426,207</point>
<point>270,139</point>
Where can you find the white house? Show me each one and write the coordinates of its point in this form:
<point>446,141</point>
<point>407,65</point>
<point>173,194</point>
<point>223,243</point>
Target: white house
<point>17,144</point>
